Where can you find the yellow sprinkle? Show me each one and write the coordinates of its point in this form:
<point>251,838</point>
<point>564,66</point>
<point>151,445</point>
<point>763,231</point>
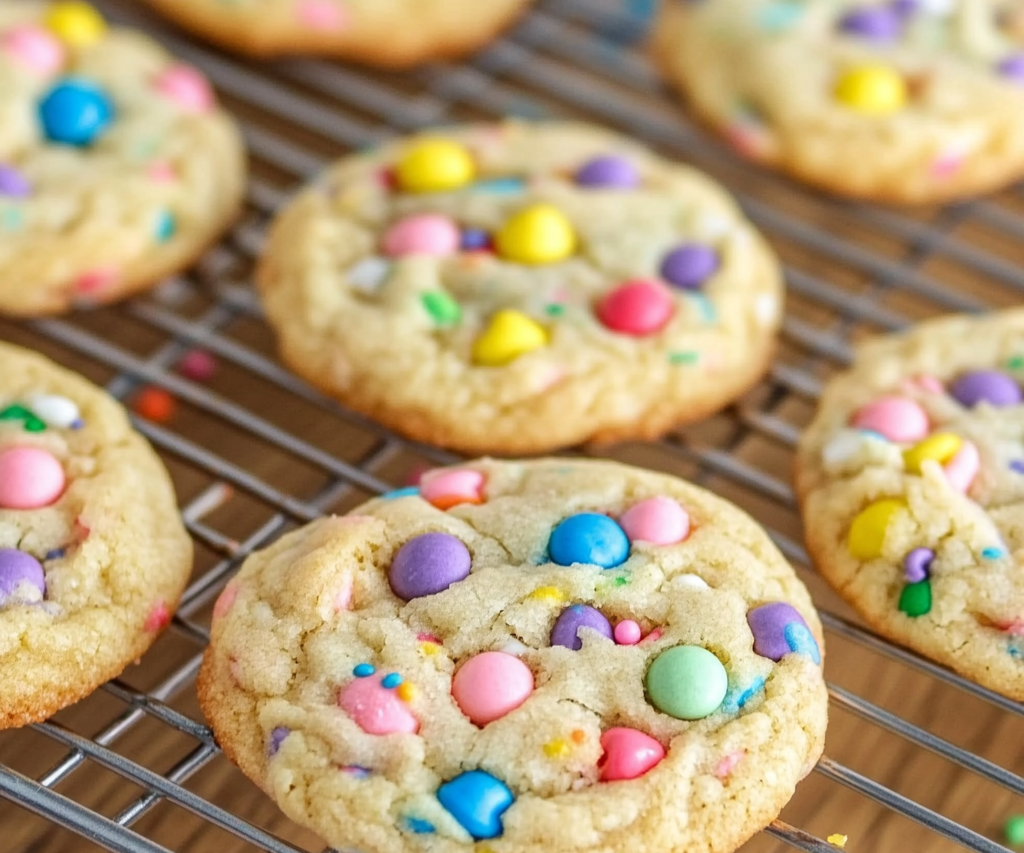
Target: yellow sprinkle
<point>548,593</point>
<point>75,23</point>
<point>941,447</point>
<point>837,840</point>
<point>509,335</point>
<point>429,649</point>
<point>876,90</point>
<point>435,165</point>
<point>485,849</point>
<point>557,748</point>
<point>538,234</point>
<point>867,533</point>
<point>407,691</point>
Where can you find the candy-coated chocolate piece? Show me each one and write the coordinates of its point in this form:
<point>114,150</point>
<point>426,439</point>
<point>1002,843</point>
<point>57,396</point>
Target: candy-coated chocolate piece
<point>773,638</point>
<point>76,112</point>
<point>567,627</point>
<point>985,386</point>
<point>30,478</point>
<point>434,165</point>
<point>55,410</point>
<point>874,89</point>
<point>609,171</point>
<point>686,682</point>
<point>916,598</point>
<point>589,538</point>
<point>690,265</point>
<point>75,23</point>
<point>898,419</point>
<point>628,754</point>
<point>477,800</point>
<point>879,24</point>
<point>639,307</point>
<point>422,234</point>
<point>428,564</point>
<point>21,577</point>
<point>538,234</point>
<point>445,489</point>
<point>659,520</point>
<point>376,709</point>
<point>941,448</point>
<point>867,532</point>
<point>188,88</point>
<point>34,48</point>
<point>490,685</point>
<point>508,335</point>
<point>627,633</point>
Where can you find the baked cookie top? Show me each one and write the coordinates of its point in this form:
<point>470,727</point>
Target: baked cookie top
<point>519,287</point>
<point>93,555</point>
<point>550,655</point>
<point>901,100</point>
<point>912,481</point>
<point>391,33</point>
<point>116,166</point>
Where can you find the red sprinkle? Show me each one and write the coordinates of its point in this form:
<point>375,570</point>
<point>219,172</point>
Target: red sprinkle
<point>154,404</point>
<point>198,365</point>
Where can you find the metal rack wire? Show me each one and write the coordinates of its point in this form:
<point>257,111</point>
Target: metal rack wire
<point>918,758</point>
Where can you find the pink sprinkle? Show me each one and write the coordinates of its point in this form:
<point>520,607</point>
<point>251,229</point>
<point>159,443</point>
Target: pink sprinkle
<point>159,617</point>
<point>550,377</point>
<point>186,87</point>
<point>321,14</point>
<point>343,598</point>
<point>225,600</point>
<point>1014,628</point>
<point>96,280</point>
<point>36,48</point>
<point>653,636</point>
<point>931,384</point>
<point>197,364</point>
<point>948,165</point>
<point>162,172</point>
<point>429,638</point>
<point>963,467</point>
<point>729,763</point>
<point>627,633</point>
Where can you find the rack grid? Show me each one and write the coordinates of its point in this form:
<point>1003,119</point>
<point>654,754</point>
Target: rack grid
<point>917,758</point>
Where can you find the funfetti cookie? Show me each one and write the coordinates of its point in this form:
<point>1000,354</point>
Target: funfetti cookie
<point>537,656</point>
<point>912,482</point>
<point>516,288</point>
<point>896,100</point>
<point>394,34</point>
<point>116,165</point>
<point>93,555</point>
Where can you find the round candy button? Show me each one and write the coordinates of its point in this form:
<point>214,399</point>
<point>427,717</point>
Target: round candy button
<point>434,165</point>
<point>628,754</point>
<point>567,627</point>
<point>422,234</point>
<point>876,90</point>
<point>588,538</point>
<point>940,447</point>
<point>627,633</point>
<point>21,577</point>
<point>75,23</point>
<point>896,418</point>
<point>428,564</point>
<point>640,307</point>
<point>986,386</point>
<point>375,707</point>
<point>608,172</point>
<point>538,234</point>
<point>34,48</point>
<point>686,682</point>
<point>30,478</point>
<point>689,266</point>
<point>490,685</point>
<point>659,520</point>
<point>75,112</point>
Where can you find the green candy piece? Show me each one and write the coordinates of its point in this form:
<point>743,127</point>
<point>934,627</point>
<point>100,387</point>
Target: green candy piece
<point>30,422</point>
<point>916,598</point>
<point>445,310</point>
<point>1014,830</point>
<point>686,682</point>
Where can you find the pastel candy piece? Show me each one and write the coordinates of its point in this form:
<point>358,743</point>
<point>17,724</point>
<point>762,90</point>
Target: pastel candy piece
<point>55,410</point>
<point>75,23</point>
<point>899,419</point>
<point>35,49</point>
<point>509,335</point>
<point>567,627</point>
<point>963,467</point>
<point>873,89</point>
<point>30,478</point>
<point>422,234</point>
<point>76,112</point>
<point>916,599</point>
<point>434,165</point>
<point>428,564</point>
<point>185,86</point>
<point>769,622</point>
<point>490,685</point>
<point>538,234</point>
<point>13,184</point>
<point>588,538</point>
<point>628,754</point>
<point>29,422</point>
<point>686,682</point>
<point>659,520</point>
<point>985,386</point>
<point>376,709</point>
<point>627,633</point>
<point>608,172</point>
<point>688,266</point>
<point>917,564</point>
<point>941,448</point>
<point>477,800</point>
<point>1012,67</point>
<point>21,576</point>
<point>445,489</point>
<point>867,532</point>
<point>640,307</point>
<point>875,23</point>
<point>321,14</point>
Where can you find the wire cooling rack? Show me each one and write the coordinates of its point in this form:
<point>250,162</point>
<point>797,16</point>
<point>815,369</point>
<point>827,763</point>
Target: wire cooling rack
<point>917,758</point>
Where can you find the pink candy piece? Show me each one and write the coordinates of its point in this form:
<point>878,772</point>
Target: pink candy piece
<point>963,467</point>
<point>627,633</point>
<point>653,636</point>
<point>225,600</point>
<point>446,489</point>
<point>186,87</point>
<point>35,48</point>
<point>376,709</point>
<point>96,280</point>
<point>198,364</point>
<point>490,685</point>
<point>159,617</point>
<point>628,754</point>
<point>639,307</point>
<point>422,234</point>
<point>897,418</point>
<point>659,520</point>
<point>30,478</point>
<point>729,763</point>
<point>321,14</point>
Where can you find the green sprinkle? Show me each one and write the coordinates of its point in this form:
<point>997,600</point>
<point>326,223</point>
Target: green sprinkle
<point>916,599</point>
<point>1014,830</point>
<point>30,422</point>
<point>445,310</point>
<point>688,357</point>
<point>554,310</point>
<point>622,581</point>
<point>1016,363</point>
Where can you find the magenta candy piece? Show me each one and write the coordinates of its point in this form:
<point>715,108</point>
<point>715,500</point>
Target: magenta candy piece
<point>688,266</point>
<point>16,568</point>
<point>576,616</point>
<point>428,564</point>
<point>917,563</point>
<point>768,625</point>
<point>986,386</point>
<point>610,172</point>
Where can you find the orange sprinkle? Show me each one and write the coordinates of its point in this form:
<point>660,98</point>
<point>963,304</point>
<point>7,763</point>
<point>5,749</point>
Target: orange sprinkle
<point>407,691</point>
<point>154,404</point>
<point>578,736</point>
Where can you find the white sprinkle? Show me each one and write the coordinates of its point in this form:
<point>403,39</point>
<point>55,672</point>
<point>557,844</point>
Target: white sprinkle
<point>54,410</point>
<point>690,582</point>
<point>940,8</point>
<point>713,226</point>
<point>514,647</point>
<point>215,496</point>
<point>843,446</point>
<point>369,274</point>
<point>766,309</point>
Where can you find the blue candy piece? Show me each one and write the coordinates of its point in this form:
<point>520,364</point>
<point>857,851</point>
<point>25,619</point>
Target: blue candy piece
<point>588,538</point>
<point>406,492</point>
<point>800,640</point>
<point>75,112</point>
<point>363,670</point>
<point>391,680</point>
<point>477,801</point>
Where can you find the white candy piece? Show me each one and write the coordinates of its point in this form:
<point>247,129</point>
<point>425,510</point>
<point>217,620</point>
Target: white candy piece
<point>844,445</point>
<point>514,647</point>
<point>690,582</point>
<point>369,274</point>
<point>766,309</point>
<point>54,410</point>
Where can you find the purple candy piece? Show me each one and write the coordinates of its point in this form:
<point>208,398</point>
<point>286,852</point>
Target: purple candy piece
<point>986,386</point>
<point>277,737</point>
<point>876,23</point>
<point>16,568</point>
<point>689,266</point>
<point>917,563</point>
<point>768,625</point>
<point>428,564</point>
<point>609,172</point>
<point>13,183</point>
<point>1012,67</point>
<point>566,629</point>
<point>905,8</point>
<point>474,238</point>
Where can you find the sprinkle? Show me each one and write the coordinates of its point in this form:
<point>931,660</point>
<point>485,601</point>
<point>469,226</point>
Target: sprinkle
<point>578,736</point>
<point>407,691</point>
<point>1014,830</point>
<point>420,826</point>
<point>688,357</point>
<point>429,649</point>
<point>499,186</point>
<point>993,553</point>
<point>1017,465</point>
<point>165,227</point>
<point>837,840</point>
<point>369,275</point>
<point>548,593</point>
<point>277,736</point>
<point>363,670</point>
<point>198,365</point>
<point>557,748</point>
<point>1016,363</point>
<point>55,554</point>
<point>406,492</point>
<point>392,679</point>
<point>154,404</point>
<point>159,617</point>
<point>554,310</point>
<point>729,763</point>
<point>357,771</point>
<point>444,310</point>
<point>429,638</point>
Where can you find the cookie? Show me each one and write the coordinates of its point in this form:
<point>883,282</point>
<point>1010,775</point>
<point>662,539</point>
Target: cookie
<point>912,483</point>
<point>548,655</point>
<point>395,34</point>
<point>93,554</point>
<point>517,288</point>
<point>116,166</point>
<point>903,101</point>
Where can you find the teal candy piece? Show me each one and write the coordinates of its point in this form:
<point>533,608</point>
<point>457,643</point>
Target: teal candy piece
<point>800,640</point>
<point>477,800</point>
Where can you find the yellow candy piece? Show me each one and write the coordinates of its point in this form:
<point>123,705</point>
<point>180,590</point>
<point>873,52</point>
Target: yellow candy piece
<point>509,335</point>
<point>75,23</point>
<point>876,90</point>
<point>837,840</point>
<point>548,593</point>
<point>407,691</point>
<point>538,234</point>
<point>867,533</point>
<point>435,166</point>
<point>941,447</point>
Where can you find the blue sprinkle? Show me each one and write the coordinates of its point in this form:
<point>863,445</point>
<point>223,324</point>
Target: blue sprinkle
<point>407,492</point>
<point>1013,648</point>
<point>736,698</point>
<point>419,826</point>
<point>364,670</point>
<point>13,219</point>
<point>357,771</point>
<point>391,680</point>
<point>166,226</point>
<point>1017,465</point>
<point>77,423</point>
<point>55,554</point>
<point>800,640</point>
<point>993,553</point>
<point>875,436</point>
<point>500,186</point>
<point>780,15</point>
<point>277,737</point>
<point>705,306</point>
